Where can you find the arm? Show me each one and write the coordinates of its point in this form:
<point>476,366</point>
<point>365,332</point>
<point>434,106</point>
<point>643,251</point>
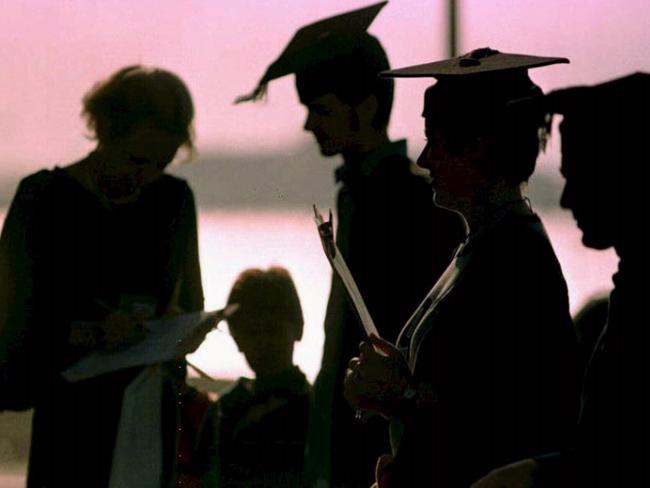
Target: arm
<point>17,371</point>
<point>189,293</point>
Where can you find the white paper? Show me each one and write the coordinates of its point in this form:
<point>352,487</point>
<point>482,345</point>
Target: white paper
<point>161,344</point>
<point>137,456</point>
<point>340,267</point>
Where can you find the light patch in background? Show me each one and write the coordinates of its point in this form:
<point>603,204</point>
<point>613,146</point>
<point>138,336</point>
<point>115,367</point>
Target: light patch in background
<point>52,51</point>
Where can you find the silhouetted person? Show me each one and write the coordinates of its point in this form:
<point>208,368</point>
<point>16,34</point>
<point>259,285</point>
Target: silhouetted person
<point>491,349</point>
<point>255,434</point>
<point>588,324</point>
<point>605,156</point>
<point>111,231</point>
<point>395,241</point>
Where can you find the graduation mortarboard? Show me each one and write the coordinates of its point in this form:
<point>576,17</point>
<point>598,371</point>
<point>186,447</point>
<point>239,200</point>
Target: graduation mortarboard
<point>483,81</point>
<point>316,43</point>
<point>631,92</point>
<point>609,121</point>
<point>478,62</point>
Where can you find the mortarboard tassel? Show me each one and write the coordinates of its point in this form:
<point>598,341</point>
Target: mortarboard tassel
<point>255,96</point>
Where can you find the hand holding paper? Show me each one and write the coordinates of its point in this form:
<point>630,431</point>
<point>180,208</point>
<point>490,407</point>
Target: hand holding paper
<point>166,339</point>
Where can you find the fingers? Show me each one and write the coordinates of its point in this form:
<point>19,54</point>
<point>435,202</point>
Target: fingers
<point>353,363</point>
<point>383,345</point>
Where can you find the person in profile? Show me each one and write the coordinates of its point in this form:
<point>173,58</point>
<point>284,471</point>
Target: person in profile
<point>106,240</point>
<point>491,349</point>
<point>394,239</point>
<point>255,434</point>
<point>605,156</point>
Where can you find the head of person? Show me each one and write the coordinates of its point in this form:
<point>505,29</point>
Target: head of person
<point>336,64</point>
<point>347,103</point>
<point>268,320</point>
<point>605,143</point>
<point>483,125</point>
<point>140,118</point>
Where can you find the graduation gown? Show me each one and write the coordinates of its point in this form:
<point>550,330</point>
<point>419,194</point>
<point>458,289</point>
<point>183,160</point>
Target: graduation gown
<point>61,254</point>
<point>396,243</point>
<point>494,350</point>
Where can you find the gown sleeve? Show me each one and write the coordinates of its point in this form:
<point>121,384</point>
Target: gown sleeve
<point>18,364</point>
<point>190,291</point>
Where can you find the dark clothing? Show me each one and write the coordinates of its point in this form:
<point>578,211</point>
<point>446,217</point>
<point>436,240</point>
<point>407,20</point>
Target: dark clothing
<point>396,243</point>
<point>494,350</point>
<point>62,253</point>
<point>614,428</point>
<point>254,436</point>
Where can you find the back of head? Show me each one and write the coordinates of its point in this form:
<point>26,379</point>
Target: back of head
<point>136,97</point>
<point>267,295</point>
<point>607,126</point>
<point>487,95</point>
<point>351,73</point>
<point>335,55</point>
<point>481,107</point>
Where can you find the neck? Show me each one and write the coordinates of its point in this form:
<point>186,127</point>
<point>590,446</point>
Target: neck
<point>478,212</point>
<point>366,143</point>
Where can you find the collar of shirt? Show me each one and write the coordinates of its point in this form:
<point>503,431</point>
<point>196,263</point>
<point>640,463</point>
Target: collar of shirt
<point>515,207</point>
<point>290,380</point>
<point>353,170</point>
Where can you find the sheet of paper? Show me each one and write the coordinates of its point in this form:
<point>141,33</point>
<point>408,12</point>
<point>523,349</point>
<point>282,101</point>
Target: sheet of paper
<point>161,344</point>
<point>340,267</point>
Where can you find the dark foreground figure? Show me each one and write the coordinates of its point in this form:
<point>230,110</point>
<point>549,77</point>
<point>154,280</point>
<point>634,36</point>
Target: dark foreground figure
<point>605,156</point>
<point>254,436</point>
<point>491,350</point>
<point>111,231</point>
<point>395,241</point>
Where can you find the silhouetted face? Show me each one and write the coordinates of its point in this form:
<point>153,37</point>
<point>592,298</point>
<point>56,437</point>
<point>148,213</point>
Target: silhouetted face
<point>267,346</point>
<point>456,178</point>
<point>124,166</point>
<point>331,122</point>
<point>588,192</point>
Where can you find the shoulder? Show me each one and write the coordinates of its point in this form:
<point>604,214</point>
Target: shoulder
<point>238,394</point>
<point>36,183</point>
<point>171,196</point>
<point>519,257</point>
<point>35,191</point>
<point>396,177</point>
<point>174,185</point>
<point>520,237</point>
<point>401,167</point>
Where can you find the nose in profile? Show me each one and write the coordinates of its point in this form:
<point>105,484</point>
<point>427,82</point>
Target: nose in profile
<point>309,122</point>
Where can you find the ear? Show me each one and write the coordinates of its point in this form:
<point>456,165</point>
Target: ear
<point>366,111</point>
<point>477,150</point>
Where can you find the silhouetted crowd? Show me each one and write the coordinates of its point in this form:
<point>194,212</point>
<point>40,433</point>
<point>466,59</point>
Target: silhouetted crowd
<point>478,376</point>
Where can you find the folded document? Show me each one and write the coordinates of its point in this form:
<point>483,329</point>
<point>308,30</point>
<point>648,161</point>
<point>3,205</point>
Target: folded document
<point>161,344</point>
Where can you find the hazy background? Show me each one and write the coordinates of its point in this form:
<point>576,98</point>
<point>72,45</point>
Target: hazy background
<point>257,172</point>
<point>52,51</point>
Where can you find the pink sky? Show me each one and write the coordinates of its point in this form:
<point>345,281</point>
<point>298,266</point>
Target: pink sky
<point>51,52</point>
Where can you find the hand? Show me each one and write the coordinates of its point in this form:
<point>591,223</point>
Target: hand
<point>516,475</point>
<point>376,380</point>
<point>85,334</point>
<point>192,342</point>
<point>382,474</point>
<point>120,330</point>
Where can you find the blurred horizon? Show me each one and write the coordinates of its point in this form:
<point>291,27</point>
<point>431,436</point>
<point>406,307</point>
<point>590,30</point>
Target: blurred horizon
<point>52,52</point>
